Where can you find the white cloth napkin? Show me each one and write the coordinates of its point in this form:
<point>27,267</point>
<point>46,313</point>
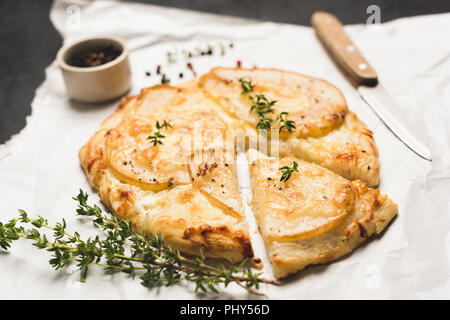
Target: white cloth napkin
<point>40,171</point>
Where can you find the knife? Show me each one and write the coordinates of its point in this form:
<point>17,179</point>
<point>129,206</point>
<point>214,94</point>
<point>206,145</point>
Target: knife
<point>347,56</point>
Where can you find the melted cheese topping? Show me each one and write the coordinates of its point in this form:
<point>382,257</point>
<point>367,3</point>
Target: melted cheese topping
<point>316,107</point>
<point>311,202</point>
<point>196,129</point>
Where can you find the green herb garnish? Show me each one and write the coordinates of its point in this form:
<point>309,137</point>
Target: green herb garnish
<point>264,123</point>
<point>286,124</point>
<point>122,249</point>
<point>287,171</point>
<point>157,136</point>
<point>246,86</point>
<point>164,125</point>
<point>262,106</point>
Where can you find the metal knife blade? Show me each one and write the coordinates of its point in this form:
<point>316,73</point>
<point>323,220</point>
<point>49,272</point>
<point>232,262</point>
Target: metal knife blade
<point>347,56</point>
<point>382,104</point>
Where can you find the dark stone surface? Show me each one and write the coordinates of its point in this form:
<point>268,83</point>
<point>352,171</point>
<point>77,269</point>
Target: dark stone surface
<point>29,42</point>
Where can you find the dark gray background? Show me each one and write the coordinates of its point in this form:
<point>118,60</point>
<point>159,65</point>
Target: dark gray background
<point>29,42</point>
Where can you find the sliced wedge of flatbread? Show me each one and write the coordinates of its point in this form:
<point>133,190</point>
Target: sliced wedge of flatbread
<point>326,132</point>
<point>314,217</point>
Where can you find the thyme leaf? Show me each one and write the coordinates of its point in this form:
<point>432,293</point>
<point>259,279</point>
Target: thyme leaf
<point>262,106</point>
<point>287,125</point>
<point>287,171</point>
<point>246,85</point>
<point>157,136</point>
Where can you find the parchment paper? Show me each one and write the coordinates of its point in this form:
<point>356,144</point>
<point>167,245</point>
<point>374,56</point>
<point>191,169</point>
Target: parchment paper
<point>40,171</point>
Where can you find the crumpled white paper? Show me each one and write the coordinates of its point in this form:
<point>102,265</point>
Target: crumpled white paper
<point>40,171</point>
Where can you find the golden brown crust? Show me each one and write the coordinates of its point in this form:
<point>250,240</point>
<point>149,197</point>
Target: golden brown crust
<point>91,155</point>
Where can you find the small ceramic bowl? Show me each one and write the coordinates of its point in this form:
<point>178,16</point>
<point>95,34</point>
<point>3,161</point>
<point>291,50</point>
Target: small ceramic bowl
<point>98,83</point>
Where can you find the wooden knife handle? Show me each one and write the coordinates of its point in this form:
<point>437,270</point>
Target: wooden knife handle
<point>331,32</point>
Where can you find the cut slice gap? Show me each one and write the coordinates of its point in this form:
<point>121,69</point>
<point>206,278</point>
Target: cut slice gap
<point>256,239</point>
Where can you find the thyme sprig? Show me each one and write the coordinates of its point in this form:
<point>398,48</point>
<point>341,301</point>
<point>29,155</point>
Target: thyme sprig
<point>260,104</point>
<point>262,107</point>
<point>286,124</point>
<point>287,171</point>
<point>123,249</point>
<point>246,85</point>
<point>157,136</point>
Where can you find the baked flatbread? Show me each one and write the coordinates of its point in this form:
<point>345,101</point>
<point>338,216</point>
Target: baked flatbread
<point>326,132</point>
<point>186,188</point>
<point>314,217</point>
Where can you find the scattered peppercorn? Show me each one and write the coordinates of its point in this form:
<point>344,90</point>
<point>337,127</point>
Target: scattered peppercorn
<point>191,67</point>
<point>210,50</point>
<point>164,79</point>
